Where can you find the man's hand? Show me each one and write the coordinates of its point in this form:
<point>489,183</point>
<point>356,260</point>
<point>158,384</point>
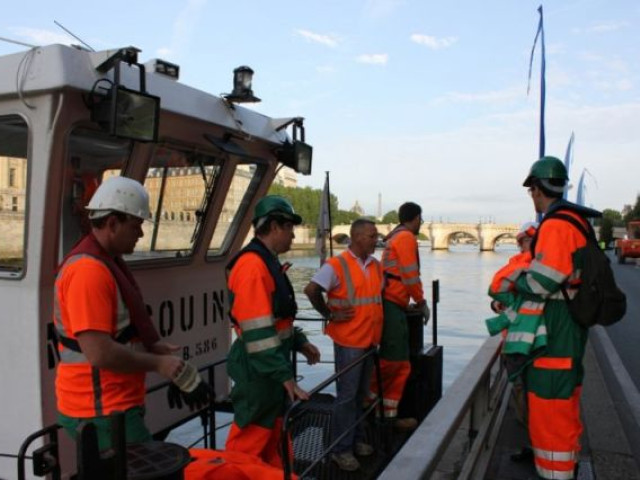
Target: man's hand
<point>311,353</point>
<point>195,392</point>
<point>164,348</point>
<point>169,366</point>
<point>294,391</point>
<point>497,306</point>
<point>343,314</point>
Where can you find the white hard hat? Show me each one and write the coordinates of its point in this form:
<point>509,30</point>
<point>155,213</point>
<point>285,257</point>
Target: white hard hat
<point>119,194</point>
<point>528,229</point>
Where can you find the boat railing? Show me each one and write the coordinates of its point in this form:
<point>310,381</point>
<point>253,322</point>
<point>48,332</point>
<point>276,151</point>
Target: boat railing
<point>207,415</point>
<point>299,409</point>
<point>46,459</point>
<point>467,419</point>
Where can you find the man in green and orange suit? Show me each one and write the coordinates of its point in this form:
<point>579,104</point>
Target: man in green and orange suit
<point>554,379</point>
<point>401,267</point>
<point>262,310</point>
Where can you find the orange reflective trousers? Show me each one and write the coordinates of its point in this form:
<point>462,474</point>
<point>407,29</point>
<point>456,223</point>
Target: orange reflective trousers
<point>260,442</point>
<point>555,426</point>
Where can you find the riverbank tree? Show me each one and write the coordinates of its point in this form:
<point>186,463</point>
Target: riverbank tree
<point>306,202</point>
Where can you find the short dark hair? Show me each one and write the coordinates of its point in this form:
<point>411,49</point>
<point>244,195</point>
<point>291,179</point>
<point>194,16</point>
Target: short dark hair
<point>556,182</point>
<point>102,221</point>
<point>359,223</point>
<point>408,211</point>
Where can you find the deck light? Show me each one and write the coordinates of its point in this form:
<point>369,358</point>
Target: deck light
<point>242,93</point>
<point>124,112</point>
<point>295,154</point>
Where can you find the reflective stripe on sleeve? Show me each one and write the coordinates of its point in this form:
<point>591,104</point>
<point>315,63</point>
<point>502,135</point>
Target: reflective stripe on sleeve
<point>547,271</point>
<point>409,268</point>
<point>410,281</point>
<point>256,322</point>
<point>386,263</point>
<point>520,337</point>
<point>285,333</point>
<point>535,286</point>
<point>262,345</point>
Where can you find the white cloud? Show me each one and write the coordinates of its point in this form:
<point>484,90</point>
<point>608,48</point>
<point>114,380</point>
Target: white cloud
<point>183,28</point>
<point>373,58</point>
<point>329,40</point>
<point>41,37</point>
<point>432,42</point>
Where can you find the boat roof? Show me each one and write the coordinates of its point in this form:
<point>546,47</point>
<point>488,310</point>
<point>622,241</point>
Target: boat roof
<point>59,67</point>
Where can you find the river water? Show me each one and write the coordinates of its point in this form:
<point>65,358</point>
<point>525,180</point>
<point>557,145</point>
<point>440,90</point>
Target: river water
<point>464,274</point>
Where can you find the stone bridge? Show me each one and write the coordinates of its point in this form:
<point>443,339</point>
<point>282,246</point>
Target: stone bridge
<point>439,234</point>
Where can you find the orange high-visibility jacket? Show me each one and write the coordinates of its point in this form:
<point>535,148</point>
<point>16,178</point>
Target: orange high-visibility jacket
<point>362,291</point>
<point>87,298</point>
<point>402,268</point>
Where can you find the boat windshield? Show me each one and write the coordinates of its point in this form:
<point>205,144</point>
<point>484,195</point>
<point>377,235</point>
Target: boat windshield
<point>13,195</point>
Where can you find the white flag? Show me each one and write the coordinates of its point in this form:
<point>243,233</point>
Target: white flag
<point>324,223</point>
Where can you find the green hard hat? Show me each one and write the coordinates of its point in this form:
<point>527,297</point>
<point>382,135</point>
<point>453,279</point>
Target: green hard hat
<point>546,168</point>
<point>276,206</point>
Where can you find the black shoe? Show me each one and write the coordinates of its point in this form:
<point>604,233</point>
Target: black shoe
<point>523,456</point>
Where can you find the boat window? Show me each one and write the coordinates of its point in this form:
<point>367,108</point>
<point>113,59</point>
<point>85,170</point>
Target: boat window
<point>93,156</point>
<point>13,195</point>
<point>246,179</point>
<point>180,185</point>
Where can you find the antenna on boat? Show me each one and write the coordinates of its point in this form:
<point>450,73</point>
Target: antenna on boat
<point>73,35</point>
<point>16,42</point>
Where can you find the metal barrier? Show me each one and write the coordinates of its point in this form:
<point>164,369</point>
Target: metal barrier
<point>479,395</point>
<point>207,415</point>
<point>46,460</point>
<point>298,409</point>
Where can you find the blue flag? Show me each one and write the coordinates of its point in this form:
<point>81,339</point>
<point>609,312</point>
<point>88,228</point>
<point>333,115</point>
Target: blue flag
<point>568,159</point>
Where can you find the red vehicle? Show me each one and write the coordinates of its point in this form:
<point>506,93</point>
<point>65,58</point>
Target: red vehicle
<point>629,247</point>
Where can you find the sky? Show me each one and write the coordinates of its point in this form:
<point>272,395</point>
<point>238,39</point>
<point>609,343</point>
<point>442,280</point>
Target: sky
<point>403,100</point>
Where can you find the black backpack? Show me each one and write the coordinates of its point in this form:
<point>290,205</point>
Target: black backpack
<point>598,300</point>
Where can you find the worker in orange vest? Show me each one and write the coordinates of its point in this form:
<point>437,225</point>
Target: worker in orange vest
<point>353,283</point>
<point>401,266</point>
<point>554,379</point>
<point>262,310</point>
<point>505,303</point>
<point>107,342</point>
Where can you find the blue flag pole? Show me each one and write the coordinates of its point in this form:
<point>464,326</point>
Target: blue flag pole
<point>540,34</point>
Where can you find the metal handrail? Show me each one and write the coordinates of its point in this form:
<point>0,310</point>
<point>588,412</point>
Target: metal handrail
<point>420,456</point>
<point>209,428</point>
<point>292,414</point>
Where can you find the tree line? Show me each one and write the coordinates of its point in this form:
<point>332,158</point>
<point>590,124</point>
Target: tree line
<point>306,202</point>
<point>613,218</point>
